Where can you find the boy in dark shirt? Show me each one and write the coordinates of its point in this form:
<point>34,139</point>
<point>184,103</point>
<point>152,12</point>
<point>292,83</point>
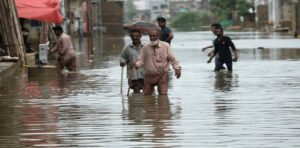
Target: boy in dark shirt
<point>222,46</point>
<point>166,32</point>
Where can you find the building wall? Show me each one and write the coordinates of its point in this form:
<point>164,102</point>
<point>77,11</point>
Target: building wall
<point>262,18</point>
<point>282,14</point>
<point>158,8</point>
<point>112,18</point>
<point>297,21</point>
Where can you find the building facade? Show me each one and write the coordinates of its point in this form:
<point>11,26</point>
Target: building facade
<point>278,14</point>
<point>158,8</point>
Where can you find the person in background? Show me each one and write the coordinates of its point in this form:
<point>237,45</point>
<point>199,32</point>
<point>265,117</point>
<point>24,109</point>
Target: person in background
<point>156,58</point>
<point>222,45</point>
<point>128,57</point>
<point>66,54</point>
<point>213,30</point>
<point>166,33</point>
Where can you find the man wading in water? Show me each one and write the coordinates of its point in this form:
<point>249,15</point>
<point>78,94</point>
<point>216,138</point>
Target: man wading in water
<point>222,46</point>
<point>155,58</point>
<point>128,57</point>
<point>66,54</point>
<point>213,30</point>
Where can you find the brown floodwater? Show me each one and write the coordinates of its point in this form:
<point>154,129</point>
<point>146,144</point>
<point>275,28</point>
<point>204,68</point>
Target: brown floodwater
<point>257,105</point>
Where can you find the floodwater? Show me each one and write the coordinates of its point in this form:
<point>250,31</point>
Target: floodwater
<point>257,105</point>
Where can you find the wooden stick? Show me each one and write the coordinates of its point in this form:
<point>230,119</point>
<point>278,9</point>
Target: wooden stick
<point>121,89</point>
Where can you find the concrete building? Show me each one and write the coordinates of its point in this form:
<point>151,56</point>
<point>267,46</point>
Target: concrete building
<point>158,8</point>
<point>262,13</point>
<point>284,14</point>
<point>87,16</point>
<point>280,15</point>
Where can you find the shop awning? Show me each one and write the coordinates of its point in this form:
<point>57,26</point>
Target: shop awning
<point>41,10</point>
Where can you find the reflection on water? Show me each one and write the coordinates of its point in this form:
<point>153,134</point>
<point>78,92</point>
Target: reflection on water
<point>280,54</point>
<point>224,80</point>
<point>270,54</point>
<point>222,109</point>
<point>153,112</point>
<point>255,106</point>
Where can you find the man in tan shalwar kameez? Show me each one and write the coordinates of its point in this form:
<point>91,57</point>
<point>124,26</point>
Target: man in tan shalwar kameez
<point>156,58</point>
<point>66,54</point>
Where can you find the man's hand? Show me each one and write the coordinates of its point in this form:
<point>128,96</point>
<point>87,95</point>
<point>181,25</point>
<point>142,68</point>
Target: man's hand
<point>235,59</point>
<point>122,64</point>
<point>203,49</point>
<point>178,73</point>
<point>209,60</point>
<point>210,53</point>
<point>133,65</point>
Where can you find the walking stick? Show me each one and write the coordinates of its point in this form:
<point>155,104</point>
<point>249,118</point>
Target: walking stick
<point>129,84</point>
<point>121,89</point>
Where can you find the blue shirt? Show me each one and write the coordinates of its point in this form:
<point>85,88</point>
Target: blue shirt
<point>164,34</point>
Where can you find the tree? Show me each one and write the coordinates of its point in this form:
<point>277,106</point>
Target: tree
<point>225,9</point>
<point>192,21</point>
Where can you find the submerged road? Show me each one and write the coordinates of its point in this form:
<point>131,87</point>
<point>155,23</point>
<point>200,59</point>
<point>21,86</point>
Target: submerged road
<point>257,105</point>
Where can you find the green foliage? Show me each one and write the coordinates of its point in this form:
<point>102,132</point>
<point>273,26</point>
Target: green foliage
<point>222,9</point>
<point>191,21</point>
<point>242,7</point>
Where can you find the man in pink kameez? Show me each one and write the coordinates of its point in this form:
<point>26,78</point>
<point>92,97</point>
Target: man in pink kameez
<point>156,58</point>
<point>66,54</point>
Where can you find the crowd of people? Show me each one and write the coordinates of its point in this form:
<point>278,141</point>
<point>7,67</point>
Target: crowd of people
<point>148,64</point>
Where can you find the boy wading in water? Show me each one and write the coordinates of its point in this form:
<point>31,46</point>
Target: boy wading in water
<point>213,28</point>
<point>222,46</point>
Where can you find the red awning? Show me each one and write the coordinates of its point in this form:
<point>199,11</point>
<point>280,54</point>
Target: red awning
<point>41,10</point>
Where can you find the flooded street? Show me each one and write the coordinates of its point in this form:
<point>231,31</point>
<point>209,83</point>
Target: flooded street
<point>257,105</point>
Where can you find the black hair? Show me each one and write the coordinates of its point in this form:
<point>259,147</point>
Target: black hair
<point>58,28</point>
<point>135,30</point>
<point>161,19</point>
<point>220,28</point>
<point>217,25</point>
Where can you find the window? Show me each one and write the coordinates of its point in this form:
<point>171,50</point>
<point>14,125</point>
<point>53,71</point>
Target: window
<point>163,6</point>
